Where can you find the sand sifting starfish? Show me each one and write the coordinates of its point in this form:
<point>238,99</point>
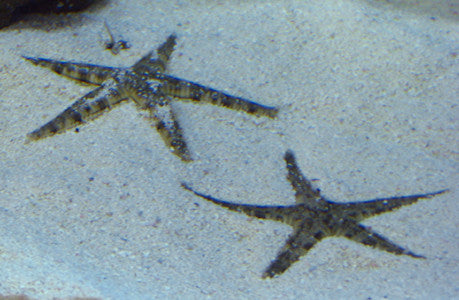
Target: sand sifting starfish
<point>314,218</point>
<point>148,86</point>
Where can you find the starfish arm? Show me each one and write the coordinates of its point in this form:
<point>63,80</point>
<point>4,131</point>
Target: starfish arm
<point>147,64</point>
<point>184,89</point>
<point>361,234</point>
<point>361,210</point>
<point>305,193</point>
<point>88,73</point>
<point>297,245</point>
<point>85,109</point>
<point>165,50</point>
<point>275,213</point>
<point>169,129</point>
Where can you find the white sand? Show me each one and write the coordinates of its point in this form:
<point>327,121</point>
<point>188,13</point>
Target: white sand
<point>368,97</point>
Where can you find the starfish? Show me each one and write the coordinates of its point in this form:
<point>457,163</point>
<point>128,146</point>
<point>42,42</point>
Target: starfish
<point>314,218</point>
<point>150,89</point>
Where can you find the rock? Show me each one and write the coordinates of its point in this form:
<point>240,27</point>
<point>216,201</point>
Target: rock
<point>12,10</point>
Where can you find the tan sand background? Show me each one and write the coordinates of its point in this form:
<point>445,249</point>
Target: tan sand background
<point>368,98</point>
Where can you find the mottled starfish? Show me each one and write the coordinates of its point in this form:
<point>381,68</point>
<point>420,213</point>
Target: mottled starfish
<point>150,89</point>
<point>314,218</point>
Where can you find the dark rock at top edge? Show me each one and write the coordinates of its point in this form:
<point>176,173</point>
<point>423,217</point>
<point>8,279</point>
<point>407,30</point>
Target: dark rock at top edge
<point>12,10</point>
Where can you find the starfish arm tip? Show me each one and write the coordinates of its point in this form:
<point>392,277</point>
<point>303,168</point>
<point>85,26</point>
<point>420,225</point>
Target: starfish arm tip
<point>31,59</point>
<point>185,185</point>
<point>414,255</point>
<point>185,157</point>
<point>273,112</point>
<point>289,155</point>
<point>269,273</point>
<point>32,136</point>
<point>440,192</point>
<point>266,276</point>
<point>272,272</point>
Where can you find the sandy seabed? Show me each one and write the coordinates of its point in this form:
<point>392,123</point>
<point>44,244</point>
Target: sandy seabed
<point>368,99</point>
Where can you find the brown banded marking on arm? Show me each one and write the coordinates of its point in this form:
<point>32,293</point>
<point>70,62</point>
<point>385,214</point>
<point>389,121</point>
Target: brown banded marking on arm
<point>88,73</point>
<point>169,129</point>
<point>148,65</point>
<point>165,50</point>
<point>87,108</point>
<point>184,89</point>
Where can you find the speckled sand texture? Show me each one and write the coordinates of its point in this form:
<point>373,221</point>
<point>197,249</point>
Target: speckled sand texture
<point>368,96</point>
